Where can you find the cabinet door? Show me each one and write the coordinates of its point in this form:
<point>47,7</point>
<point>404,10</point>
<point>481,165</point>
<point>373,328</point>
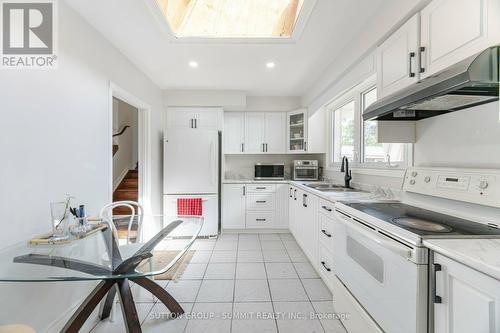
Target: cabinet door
<point>309,228</point>
<point>292,210</point>
<point>282,200</point>
<point>453,30</point>
<point>234,132</point>
<point>233,206</point>
<point>254,132</point>
<point>297,131</point>
<point>180,117</point>
<point>209,119</point>
<point>397,59</point>
<point>275,132</point>
<point>470,300</point>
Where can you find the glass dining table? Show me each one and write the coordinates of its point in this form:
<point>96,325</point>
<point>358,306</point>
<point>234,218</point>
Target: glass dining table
<point>114,262</point>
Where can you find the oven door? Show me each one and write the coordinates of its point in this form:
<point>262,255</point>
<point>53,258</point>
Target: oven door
<point>380,274</point>
<point>306,173</point>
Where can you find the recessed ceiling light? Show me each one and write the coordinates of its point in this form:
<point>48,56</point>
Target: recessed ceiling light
<point>193,64</point>
<point>270,65</point>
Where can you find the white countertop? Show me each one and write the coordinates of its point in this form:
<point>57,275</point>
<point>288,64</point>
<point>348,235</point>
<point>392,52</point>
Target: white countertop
<point>480,254</point>
<point>330,196</point>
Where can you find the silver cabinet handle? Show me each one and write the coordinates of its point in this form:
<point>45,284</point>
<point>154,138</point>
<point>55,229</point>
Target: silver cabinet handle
<point>192,123</point>
<point>305,146</point>
<point>266,148</point>
<point>195,123</point>
<point>304,200</point>
<point>260,220</point>
<point>326,267</point>
<point>244,190</point>
<point>260,201</point>
<point>242,147</point>
<point>325,233</point>
<point>411,72</point>
<point>295,194</point>
<point>422,59</point>
<point>260,188</point>
<point>291,195</point>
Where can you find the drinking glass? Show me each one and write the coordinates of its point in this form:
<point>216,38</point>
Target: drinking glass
<point>60,218</point>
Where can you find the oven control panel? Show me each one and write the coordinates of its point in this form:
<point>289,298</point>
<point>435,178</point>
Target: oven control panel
<point>469,185</point>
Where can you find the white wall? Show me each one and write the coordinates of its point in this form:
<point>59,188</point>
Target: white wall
<point>53,139</point>
<point>126,157</point>
<point>268,103</point>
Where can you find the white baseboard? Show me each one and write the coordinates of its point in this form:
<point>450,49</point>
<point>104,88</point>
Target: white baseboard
<point>255,231</point>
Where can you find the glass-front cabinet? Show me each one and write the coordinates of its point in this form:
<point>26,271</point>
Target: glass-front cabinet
<point>297,131</point>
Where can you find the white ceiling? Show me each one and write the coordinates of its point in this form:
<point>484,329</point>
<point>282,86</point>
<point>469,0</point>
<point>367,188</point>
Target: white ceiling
<point>131,26</point>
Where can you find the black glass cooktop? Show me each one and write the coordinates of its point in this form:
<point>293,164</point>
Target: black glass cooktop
<point>425,223</point>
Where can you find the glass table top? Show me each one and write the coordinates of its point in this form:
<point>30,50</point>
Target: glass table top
<point>161,244</point>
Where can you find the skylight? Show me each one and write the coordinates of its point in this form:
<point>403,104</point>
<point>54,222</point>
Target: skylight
<point>231,18</point>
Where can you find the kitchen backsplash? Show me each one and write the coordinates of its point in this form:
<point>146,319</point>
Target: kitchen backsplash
<point>242,166</point>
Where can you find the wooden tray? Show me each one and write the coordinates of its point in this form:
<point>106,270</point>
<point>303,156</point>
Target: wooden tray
<point>46,239</point>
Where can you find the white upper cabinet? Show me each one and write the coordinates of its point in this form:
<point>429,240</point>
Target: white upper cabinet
<point>453,30</point>
<point>297,131</point>
<point>275,132</point>
<point>254,132</point>
<point>195,118</point>
<point>397,59</point>
<point>234,132</point>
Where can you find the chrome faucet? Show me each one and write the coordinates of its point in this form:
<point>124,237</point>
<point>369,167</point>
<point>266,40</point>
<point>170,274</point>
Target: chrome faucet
<point>348,174</point>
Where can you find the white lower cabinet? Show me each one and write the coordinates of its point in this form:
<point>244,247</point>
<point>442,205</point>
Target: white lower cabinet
<point>254,206</point>
<point>307,224</point>
<point>260,219</point>
<point>470,300</point>
<point>325,266</point>
<point>233,206</point>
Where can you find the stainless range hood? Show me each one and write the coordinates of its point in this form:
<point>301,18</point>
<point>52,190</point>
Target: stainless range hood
<point>473,81</point>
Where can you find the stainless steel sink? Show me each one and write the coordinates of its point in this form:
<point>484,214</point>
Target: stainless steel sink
<point>330,188</point>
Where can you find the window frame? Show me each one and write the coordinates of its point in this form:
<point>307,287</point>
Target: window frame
<point>356,94</point>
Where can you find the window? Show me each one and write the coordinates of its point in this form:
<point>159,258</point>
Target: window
<point>231,18</point>
<point>373,151</point>
<point>357,139</point>
<point>344,131</point>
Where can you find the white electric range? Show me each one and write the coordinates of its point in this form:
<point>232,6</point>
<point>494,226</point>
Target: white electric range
<point>381,265</point>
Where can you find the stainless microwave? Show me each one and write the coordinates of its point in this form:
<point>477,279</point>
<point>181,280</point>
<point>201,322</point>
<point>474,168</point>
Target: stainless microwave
<point>305,170</point>
<point>271,171</point>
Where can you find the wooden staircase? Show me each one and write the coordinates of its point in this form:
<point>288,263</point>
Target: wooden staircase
<point>127,190</point>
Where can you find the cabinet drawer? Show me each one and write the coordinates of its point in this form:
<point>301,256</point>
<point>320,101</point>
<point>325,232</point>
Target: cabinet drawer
<point>327,208</point>
<point>261,188</point>
<point>260,219</point>
<point>261,201</point>
<point>325,266</point>
<point>326,232</point>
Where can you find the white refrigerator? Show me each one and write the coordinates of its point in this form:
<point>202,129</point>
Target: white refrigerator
<point>191,170</point>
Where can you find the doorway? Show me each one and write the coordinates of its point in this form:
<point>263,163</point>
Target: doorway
<point>125,154</point>
<point>129,151</point>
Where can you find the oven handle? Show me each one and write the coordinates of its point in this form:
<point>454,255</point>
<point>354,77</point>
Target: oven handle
<point>397,248</point>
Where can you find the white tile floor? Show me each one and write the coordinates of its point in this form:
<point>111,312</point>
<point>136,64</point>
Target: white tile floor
<point>244,283</point>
